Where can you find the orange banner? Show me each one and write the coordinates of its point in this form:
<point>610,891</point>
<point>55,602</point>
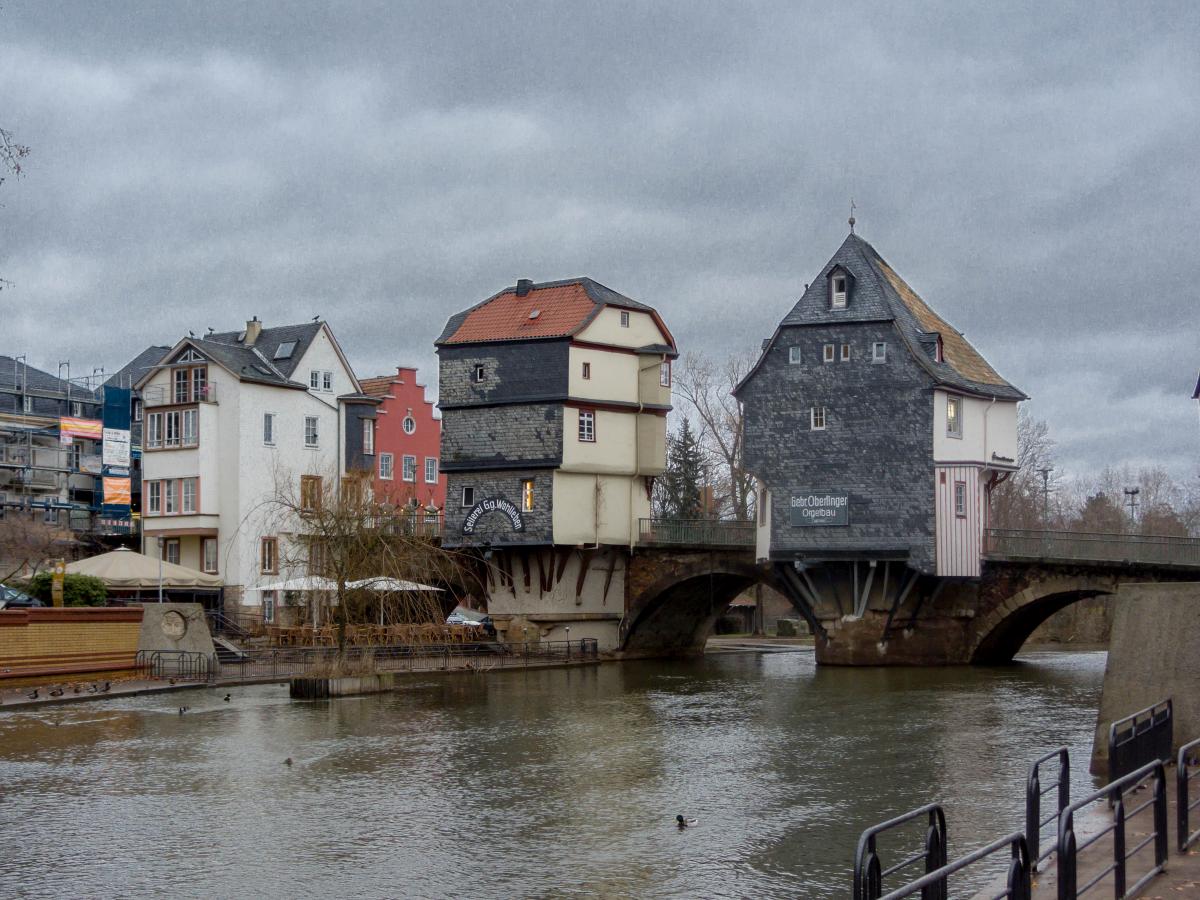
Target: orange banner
<point>84,428</point>
<point>116,491</point>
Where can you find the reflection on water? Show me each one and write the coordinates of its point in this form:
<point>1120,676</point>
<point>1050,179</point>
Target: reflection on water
<point>528,784</point>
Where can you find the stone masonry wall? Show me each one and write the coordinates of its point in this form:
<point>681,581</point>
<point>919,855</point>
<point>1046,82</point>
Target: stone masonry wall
<point>877,446</point>
<point>494,527</point>
<point>486,436</point>
<point>512,372</point>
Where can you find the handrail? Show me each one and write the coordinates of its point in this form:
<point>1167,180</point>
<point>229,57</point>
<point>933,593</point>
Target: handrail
<point>1149,549</point>
<point>1139,738</point>
<point>697,532</point>
<point>1189,754</point>
<point>1034,822</point>
<point>1114,793</point>
<point>868,870</point>
<point>1018,884</point>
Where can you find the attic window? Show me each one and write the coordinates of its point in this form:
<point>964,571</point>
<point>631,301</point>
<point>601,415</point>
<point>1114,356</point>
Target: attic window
<point>534,313</point>
<point>938,356</point>
<point>477,374</point>
<point>839,292</point>
<point>285,350</point>
<point>624,319</point>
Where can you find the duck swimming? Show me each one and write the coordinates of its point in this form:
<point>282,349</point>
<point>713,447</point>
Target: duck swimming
<point>684,822</point>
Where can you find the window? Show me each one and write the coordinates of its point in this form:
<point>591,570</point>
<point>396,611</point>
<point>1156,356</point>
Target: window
<point>960,499</point>
<point>664,373</point>
<point>477,373</point>
<point>468,496</point>
<point>76,459</point>
<point>285,350</point>
<point>199,383</point>
<point>189,495</point>
<point>953,418</point>
<point>794,355</point>
<point>154,430</point>
<point>829,352</point>
<point>527,494</point>
<point>408,468</point>
<point>937,350</point>
<point>409,424</point>
<point>817,418</point>
<point>181,385</point>
<point>314,380</point>
<point>154,498</point>
<point>310,493</point>
<point>269,429</point>
<point>268,604</point>
<point>845,352</point>
<point>317,557</point>
<point>171,428</point>
<point>170,550</point>
<point>587,370</point>
<point>839,292</point>
<point>27,403</point>
<point>387,466</point>
<point>50,516</point>
<point>170,497</point>
<point>624,318</point>
<point>369,437</point>
<point>76,409</point>
<point>878,352</point>
<point>587,425</point>
<point>269,556</point>
<point>762,506</point>
<point>311,434</point>
<point>431,475</point>
<point>352,491</point>
<point>208,555</point>
<point>137,409</point>
<point>327,381</point>
<point>190,428</point>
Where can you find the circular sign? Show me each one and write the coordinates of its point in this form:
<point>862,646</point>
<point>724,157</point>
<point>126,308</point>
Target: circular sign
<point>174,625</point>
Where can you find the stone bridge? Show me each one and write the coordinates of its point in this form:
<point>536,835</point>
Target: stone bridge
<point>880,612</point>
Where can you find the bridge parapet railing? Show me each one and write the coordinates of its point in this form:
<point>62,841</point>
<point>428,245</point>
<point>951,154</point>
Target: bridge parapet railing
<point>696,532</point>
<point>1148,549</point>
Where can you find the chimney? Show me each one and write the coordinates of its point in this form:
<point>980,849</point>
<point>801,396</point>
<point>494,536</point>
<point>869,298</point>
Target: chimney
<point>253,330</point>
<point>524,286</point>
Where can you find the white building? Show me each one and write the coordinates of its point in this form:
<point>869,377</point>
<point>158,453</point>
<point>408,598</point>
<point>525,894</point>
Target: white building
<point>233,420</point>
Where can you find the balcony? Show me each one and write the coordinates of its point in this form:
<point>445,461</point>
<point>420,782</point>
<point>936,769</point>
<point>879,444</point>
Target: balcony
<point>161,395</point>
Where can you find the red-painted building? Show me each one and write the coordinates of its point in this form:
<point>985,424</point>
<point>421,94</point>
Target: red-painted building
<point>408,439</point>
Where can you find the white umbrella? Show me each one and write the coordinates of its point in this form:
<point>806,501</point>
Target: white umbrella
<point>302,583</point>
<point>388,585</point>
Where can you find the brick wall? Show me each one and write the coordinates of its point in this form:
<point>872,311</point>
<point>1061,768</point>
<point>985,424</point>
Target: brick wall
<point>494,527</point>
<point>67,641</point>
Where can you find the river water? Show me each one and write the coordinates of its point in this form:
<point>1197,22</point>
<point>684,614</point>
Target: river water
<point>544,783</point>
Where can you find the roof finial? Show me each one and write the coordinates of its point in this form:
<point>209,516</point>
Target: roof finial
<point>852,208</point>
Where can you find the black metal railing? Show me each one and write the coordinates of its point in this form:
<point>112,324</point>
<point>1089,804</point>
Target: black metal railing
<point>1034,791</point>
<point>178,665</point>
<point>1140,738</point>
<point>696,532</point>
<point>219,623</point>
<point>1189,755</point>
<point>1145,549</point>
<point>869,872</point>
<point>1069,848</point>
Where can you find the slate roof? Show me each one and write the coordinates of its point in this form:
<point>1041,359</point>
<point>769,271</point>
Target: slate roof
<point>268,342</point>
<point>134,370</point>
<point>564,308</point>
<point>879,294</point>
<point>14,374</point>
<point>1196,393</point>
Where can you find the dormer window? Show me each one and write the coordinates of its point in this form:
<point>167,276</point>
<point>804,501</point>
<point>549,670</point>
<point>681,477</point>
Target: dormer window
<point>839,292</point>
<point>938,355</point>
<point>841,283</point>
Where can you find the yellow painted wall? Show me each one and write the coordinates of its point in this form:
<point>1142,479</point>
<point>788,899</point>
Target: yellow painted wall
<point>591,509</point>
<point>606,329</point>
<point>66,641</point>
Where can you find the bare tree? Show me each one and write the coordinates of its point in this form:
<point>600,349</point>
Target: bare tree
<point>1023,499</point>
<point>11,154</point>
<point>706,386</point>
<point>28,545</point>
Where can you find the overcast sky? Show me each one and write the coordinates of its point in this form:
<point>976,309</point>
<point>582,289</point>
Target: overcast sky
<point>1029,168</point>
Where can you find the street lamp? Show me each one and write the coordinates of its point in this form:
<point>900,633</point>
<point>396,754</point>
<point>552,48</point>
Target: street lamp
<point>160,556</point>
<point>1045,473</point>
<point>1132,494</point>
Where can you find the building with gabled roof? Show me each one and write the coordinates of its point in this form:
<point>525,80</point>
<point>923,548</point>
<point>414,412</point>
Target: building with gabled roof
<point>874,428</point>
<point>408,437</point>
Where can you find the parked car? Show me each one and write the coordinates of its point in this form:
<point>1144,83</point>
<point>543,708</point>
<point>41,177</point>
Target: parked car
<point>460,619</point>
<point>11,598</point>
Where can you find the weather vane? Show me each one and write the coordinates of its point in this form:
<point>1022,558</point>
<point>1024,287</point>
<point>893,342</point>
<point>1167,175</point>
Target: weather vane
<point>852,208</point>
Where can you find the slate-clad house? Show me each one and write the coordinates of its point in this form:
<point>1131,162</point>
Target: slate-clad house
<point>875,430</point>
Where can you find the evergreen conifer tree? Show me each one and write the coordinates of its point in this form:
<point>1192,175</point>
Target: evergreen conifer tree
<point>681,484</point>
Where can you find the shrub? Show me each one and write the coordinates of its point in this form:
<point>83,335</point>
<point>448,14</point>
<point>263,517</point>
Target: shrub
<point>78,590</point>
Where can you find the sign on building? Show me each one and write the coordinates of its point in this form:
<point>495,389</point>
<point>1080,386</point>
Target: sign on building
<point>820,508</point>
<point>116,447</point>
<point>493,504</point>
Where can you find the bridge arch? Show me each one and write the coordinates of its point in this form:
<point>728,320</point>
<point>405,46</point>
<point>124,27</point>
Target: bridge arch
<point>676,598</point>
<point>998,634</point>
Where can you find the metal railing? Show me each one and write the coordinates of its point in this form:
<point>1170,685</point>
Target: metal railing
<point>219,623</point>
<point>178,665</point>
<point>869,873</point>
<point>1141,738</point>
<point>1145,549</point>
<point>161,395</point>
<point>1069,848</point>
<point>1034,791</point>
<point>696,532</point>
<point>1189,755</point>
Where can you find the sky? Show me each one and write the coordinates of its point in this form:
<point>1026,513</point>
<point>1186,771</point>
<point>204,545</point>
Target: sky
<point>1029,168</point>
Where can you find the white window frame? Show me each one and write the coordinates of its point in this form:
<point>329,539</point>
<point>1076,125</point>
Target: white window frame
<point>408,468</point>
<point>369,437</point>
<point>190,428</point>
<point>431,470</point>
<point>624,318</point>
<point>794,355</point>
<point>171,548</point>
<point>409,424</point>
<point>587,426</point>
<point>845,353</point>
<point>960,499</point>
<point>838,300</point>
<point>154,498</point>
<point>27,404</point>
<point>387,466</point>
<point>199,383</point>
<point>172,429</point>
<point>879,352</point>
<point>264,557</point>
<point>186,508</point>
<point>312,432</point>
<point>77,409</point>
<point>268,607</point>
<point>50,515</point>
<point>664,373</point>
<point>314,379</point>
<point>170,497</point>
<point>154,431</point>
<point>478,373</point>
<point>268,429</point>
<point>181,396</point>
<point>954,423</point>
<point>205,566</point>
<point>327,382</point>
<point>830,353</point>
<point>468,497</point>
<point>817,418</point>
<point>137,409</point>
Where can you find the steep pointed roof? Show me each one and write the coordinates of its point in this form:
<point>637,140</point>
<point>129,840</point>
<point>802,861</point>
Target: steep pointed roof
<point>881,295</point>
<point>134,370</point>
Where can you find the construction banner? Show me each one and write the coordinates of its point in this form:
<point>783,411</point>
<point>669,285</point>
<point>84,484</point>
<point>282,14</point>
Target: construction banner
<point>84,428</point>
<point>116,491</point>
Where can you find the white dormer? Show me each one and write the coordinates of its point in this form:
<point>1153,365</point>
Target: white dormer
<point>841,285</point>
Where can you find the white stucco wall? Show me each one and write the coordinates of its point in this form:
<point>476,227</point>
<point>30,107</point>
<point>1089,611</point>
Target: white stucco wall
<point>999,425</point>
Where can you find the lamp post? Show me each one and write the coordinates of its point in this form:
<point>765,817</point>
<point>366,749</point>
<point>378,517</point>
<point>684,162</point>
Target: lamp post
<point>1132,495</point>
<point>1045,473</point>
<point>160,556</point>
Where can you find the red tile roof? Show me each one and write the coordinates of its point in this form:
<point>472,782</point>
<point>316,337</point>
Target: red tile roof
<point>380,386</point>
<point>562,310</point>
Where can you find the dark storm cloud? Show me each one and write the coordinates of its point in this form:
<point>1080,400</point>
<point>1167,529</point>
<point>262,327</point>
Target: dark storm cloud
<point>1029,170</point>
